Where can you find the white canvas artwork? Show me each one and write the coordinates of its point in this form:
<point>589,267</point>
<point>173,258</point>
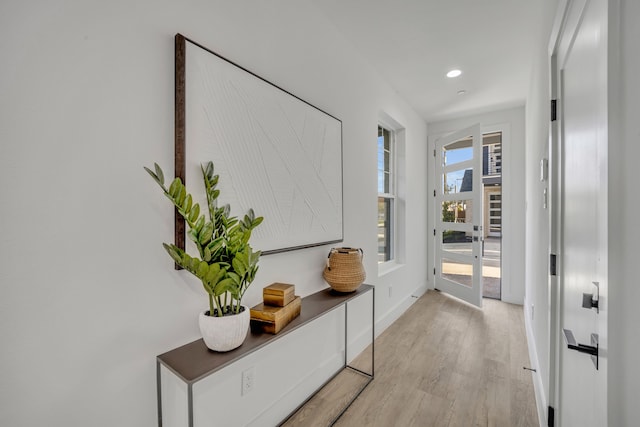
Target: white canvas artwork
<point>274,153</point>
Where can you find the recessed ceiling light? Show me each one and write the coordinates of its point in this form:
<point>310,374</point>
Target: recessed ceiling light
<point>454,73</point>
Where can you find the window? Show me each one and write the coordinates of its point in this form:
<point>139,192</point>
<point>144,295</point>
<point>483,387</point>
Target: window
<point>386,194</point>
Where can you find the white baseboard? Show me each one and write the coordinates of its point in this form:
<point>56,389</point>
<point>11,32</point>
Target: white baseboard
<point>396,311</point>
<point>541,399</point>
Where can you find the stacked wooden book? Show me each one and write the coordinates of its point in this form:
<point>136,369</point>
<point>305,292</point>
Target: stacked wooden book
<point>279,307</point>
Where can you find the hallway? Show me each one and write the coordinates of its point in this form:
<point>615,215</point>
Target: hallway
<point>443,363</point>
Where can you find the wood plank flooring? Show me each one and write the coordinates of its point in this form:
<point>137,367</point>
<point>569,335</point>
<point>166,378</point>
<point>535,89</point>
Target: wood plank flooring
<point>443,363</point>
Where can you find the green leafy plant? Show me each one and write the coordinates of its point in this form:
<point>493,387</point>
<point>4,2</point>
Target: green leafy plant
<point>226,263</point>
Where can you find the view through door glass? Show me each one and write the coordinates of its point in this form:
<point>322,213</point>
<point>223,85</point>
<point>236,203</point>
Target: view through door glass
<point>457,181</point>
<point>492,227</point>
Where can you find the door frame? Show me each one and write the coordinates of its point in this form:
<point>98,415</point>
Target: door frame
<point>554,218</point>
<point>555,209</point>
<point>508,267</point>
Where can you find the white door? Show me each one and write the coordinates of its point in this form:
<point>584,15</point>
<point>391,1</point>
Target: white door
<point>581,78</point>
<point>458,204</point>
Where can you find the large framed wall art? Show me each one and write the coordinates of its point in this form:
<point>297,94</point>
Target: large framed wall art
<point>273,151</point>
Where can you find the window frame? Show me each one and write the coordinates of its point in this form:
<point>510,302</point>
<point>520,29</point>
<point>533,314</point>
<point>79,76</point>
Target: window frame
<point>391,195</point>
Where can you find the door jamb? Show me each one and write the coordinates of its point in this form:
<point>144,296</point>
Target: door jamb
<point>560,26</point>
<point>555,211</point>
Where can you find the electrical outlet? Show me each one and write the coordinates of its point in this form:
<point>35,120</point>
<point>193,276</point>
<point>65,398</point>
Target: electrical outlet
<point>248,380</point>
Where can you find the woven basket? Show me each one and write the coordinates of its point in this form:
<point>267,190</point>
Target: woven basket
<point>344,271</point>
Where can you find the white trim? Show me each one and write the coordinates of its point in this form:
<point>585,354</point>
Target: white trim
<point>538,388</point>
<point>397,185</point>
<point>393,222</point>
<point>560,17</point>
<point>394,313</point>
<point>386,121</point>
<point>388,267</point>
<point>553,356</point>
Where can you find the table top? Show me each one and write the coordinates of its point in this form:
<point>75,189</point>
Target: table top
<point>194,361</point>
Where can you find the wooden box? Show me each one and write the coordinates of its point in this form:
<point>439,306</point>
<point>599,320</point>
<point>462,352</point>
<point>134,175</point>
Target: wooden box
<point>271,319</point>
<point>278,294</point>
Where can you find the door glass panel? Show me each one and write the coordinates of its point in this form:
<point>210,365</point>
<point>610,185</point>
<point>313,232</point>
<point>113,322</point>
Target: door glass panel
<point>459,151</point>
<point>457,211</point>
<point>459,242</point>
<point>457,271</point>
<point>459,181</point>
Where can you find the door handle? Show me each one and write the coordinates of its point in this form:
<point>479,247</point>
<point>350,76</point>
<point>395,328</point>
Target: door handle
<point>591,300</point>
<point>592,349</point>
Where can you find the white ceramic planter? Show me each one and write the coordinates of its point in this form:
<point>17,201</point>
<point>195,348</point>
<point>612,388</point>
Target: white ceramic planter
<point>224,333</point>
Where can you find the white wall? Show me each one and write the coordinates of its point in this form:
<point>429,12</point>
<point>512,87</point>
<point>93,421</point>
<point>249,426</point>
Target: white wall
<point>511,123</point>
<point>624,204</point>
<point>89,296</point>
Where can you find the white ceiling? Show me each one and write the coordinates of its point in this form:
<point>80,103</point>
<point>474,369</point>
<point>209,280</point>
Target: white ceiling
<point>413,43</point>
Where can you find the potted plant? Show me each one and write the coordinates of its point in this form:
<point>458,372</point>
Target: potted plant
<point>226,264</point>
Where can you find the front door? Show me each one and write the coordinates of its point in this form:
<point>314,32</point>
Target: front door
<point>458,203</point>
<point>581,78</point>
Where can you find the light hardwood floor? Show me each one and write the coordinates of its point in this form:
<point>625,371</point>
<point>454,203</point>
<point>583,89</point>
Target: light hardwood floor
<point>443,363</point>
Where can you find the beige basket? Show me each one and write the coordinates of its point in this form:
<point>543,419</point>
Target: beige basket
<point>344,271</point>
